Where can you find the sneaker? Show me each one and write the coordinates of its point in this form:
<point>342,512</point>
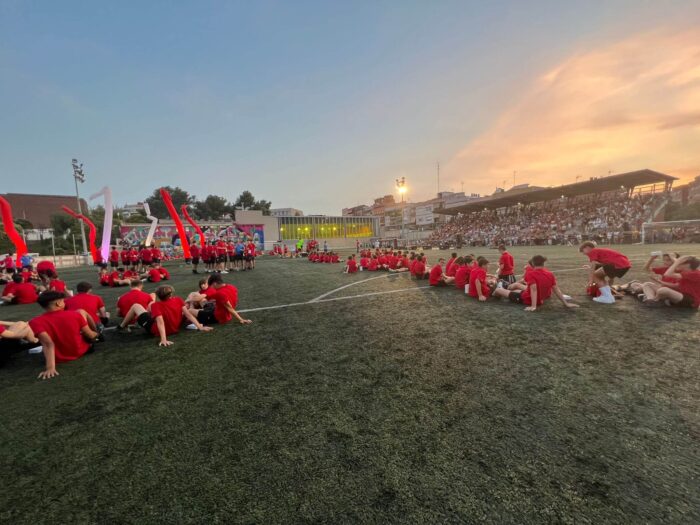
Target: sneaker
<point>191,326</point>
<point>604,300</point>
<point>499,284</point>
<point>567,297</point>
<point>35,350</point>
<point>641,297</point>
<point>223,271</point>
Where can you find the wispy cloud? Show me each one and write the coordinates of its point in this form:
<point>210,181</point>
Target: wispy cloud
<point>630,105</point>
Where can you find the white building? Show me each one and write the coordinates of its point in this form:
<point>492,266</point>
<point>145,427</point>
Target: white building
<point>286,212</point>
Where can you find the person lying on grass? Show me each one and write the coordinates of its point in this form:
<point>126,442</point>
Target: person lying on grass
<point>437,277</point>
<point>223,308</point>
<point>202,296</point>
<point>607,266</point>
<point>15,336</point>
<point>538,287</point>
<point>164,317</point>
<point>684,293</point>
<point>65,335</point>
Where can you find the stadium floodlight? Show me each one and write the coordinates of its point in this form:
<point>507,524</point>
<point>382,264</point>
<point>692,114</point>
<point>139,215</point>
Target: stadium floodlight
<point>401,186</point>
<point>79,176</point>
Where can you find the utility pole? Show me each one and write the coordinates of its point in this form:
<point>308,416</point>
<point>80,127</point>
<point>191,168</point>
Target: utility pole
<point>462,182</point>
<point>514,178</point>
<point>78,175</point>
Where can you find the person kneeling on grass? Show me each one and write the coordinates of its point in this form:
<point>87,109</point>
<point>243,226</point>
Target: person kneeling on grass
<point>437,277</point>
<point>165,317</point>
<point>223,307</point>
<point>538,287</point>
<point>65,335</point>
<point>684,293</point>
<point>15,336</point>
<point>608,265</point>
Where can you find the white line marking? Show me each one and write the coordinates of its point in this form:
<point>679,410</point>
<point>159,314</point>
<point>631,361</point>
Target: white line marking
<point>322,296</point>
<point>314,301</point>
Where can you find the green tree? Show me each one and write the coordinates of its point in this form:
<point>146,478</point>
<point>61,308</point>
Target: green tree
<point>247,201</point>
<point>212,208</point>
<point>178,195</point>
<point>63,224</point>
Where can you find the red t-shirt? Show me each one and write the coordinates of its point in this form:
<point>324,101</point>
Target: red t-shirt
<point>164,274</point>
<point>154,275</point>
<point>156,254</point>
<point>57,285</point>
<point>25,293</point>
<point>352,266</point>
<point>462,276</point>
<point>26,276</point>
<point>171,312</point>
<point>133,255</point>
<point>227,293</point>
<point>209,292</point>
<point>114,256</point>
<point>89,302</point>
<point>480,274</point>
<point>63,327</point>
<point>364,262</point>
<point>506,262</point>
<point>43,266</point>
<point>419,268</point>
<point>9,262</point>
<point>448,266</point>
<point>112,277</point>
<point>373,265</point>
<point>690,285</point>
<point>435,274</point>
<point>130,298</point>
<point>146,255</point>
<point>2,328</point>
<point>661,271</point>
<point>545,281</point>
<point>194,250</point>
<point>125,256</point>
<point>606,256</point>
<point>9,288</point>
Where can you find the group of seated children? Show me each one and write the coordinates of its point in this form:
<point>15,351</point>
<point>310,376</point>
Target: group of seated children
<point>71,326</point>
<point>123,277</point>
<point>317,256</point>
<point>23,286</point>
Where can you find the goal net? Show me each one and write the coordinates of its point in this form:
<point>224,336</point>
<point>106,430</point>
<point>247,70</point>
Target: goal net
<point>671,231</point>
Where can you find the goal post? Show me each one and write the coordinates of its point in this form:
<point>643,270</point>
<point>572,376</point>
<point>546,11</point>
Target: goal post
<point>671,231</point>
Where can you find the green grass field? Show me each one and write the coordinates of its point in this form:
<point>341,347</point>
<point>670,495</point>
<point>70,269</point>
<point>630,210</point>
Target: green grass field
<point>407,405</point>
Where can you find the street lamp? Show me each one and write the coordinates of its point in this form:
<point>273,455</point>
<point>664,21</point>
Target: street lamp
<point>79,176</point>
<point>401,186</point>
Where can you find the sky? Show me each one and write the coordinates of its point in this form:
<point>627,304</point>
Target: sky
<point>322,105</point>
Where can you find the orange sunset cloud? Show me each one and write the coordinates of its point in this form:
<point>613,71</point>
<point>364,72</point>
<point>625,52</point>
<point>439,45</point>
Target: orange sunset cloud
<point>633,104</point>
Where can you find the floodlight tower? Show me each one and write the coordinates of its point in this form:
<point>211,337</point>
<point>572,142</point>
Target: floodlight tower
<point>401,186</point>
<point>79,176</point>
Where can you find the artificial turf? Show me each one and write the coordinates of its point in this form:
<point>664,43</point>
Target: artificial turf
<point>417,406</point>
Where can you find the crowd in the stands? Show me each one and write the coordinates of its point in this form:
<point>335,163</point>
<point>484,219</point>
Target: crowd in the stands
<point>609,218</point>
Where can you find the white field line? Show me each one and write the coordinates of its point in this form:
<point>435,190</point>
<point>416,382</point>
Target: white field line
<point>314,301</point>
<point>323,296</point>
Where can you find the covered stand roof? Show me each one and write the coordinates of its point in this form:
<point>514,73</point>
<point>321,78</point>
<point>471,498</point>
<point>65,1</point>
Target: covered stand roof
<point>534,194</point>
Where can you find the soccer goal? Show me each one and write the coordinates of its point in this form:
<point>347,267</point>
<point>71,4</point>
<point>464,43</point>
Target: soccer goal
<point>671,231</point>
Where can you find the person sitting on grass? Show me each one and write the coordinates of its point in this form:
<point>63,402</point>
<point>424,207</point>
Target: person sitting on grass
<point>479,284</point>
<point>164,317</point>
<point>15,336</point>
<point>56,284</point>
<point>437,277</point>
<point>89,302</point>
<point>538,287</point>
<point>202,296</point>
<point>223,308</point>
<point>64,335</point>
<point>135,295</point>
<point>464,268</point>
<point>19,292</point>
<point>659,279</point>
<point>608,265</point>
<point>351,265</point>
<point>419,270</point>
<point>448,265</point>
<point>684,293</point>
<point>119,278</point>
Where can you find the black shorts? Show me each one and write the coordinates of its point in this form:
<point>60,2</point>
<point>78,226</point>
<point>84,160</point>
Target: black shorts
<point>221,258</point>
<point>238,257</point>
<point>248,258</point>
<point>157,261</point>
<point>195,260</point>
<point>514,297</point>
<point>510,279</point>
<point>613,272</point>
<point>686,302</point>
<point>145,321</point>
<point>114,264</point>
<point>206,314</point>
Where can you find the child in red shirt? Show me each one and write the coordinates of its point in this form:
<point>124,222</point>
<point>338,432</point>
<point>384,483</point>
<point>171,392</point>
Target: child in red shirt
<point>225,301</point>
<point>686,292</point>
<point>437,277</point>
<point>351,266</point>
<point>608,265</point>
<point>64,335</point>
<point>478,285</point>
<point>506,266</point>
<point>538,287</point>
<point>90,303</point>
